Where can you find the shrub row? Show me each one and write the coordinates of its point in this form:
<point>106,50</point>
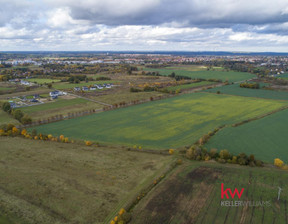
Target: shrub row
<point>224,156</point>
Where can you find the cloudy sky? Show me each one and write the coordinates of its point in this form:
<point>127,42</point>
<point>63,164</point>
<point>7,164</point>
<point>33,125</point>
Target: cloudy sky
<point>190,25</point>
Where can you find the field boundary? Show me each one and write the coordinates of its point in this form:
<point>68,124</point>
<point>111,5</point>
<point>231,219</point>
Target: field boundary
<point>259,117</point>
<point>138,196</point>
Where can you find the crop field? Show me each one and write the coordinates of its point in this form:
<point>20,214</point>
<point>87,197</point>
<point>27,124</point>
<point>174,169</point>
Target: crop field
<point>188,86</point>
<point>192,194</point>
<point>266,138</point>
<point>259,93</point>
<point>67,85</point>
<point>222,75</point>
<point>49,182</point>
<point>43,81</point>
<point>172,122</point>
<point>61,106</point>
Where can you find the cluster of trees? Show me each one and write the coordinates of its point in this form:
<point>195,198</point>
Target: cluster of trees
<point>102,78</point>
<point>178,77</point>
<point>17,114</point>
<point>250,85</point>
<point>77,78</point>
<point>224,156</point>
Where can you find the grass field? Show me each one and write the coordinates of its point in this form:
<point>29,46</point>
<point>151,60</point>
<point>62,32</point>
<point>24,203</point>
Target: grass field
<point>6,118</point>
<point>43,81</point>
<point>189,86</point>
<point>266,138</point>
<point>192,194</point>
<point>230,76</point>
<point>260,93</point>
<point>172,122</point>
<point>67,85</point>
<point>48,182</point>
<point>61,106</point>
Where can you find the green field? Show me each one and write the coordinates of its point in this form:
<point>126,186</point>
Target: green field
<point>192,194</point>
<point>67,85</point>
<point>5,118</point>
<point>284,76</point>
<point>230,76</point>
<point>172,122</point>
<point>189,86</point>
<point>6,88</point>
<point>43,81</point>
<point>259,93</point>
<point>47,182</point>
<point>60,106</point>
<point>266,138</point>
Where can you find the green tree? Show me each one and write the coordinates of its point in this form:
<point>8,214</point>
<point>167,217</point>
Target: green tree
<point>18,114</point>
<point>6,107</point>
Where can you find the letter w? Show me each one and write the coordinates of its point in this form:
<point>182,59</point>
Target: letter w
<point>236,191</point>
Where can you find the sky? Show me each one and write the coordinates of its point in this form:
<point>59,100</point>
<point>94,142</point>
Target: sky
<point>144,25</point>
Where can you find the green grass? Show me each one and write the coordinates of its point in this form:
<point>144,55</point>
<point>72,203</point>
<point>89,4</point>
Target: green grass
<point>188,86</point>
<point>192,194</point>
<point>57,104</point>
<point>230,76</point>
<point>6,88</point>
<point>67,85</point>
<point>43,81</point>
<point>172,122</point>
<point>259,93</point>
<point>5,118</point>
<point>48,182</point>
<point>266,138</point>
<point>60,106</point>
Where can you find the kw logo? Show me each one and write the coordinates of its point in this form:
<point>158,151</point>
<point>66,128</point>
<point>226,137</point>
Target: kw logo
<point>225,192</point>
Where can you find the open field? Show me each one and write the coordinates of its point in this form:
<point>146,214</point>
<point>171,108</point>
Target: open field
<point>67,85</point>
<point>191,68</point>
<point>172,122</point>
<point>266,138</point>
<point>192,194</point>
<point>60,106</point>
<point>40,90</point>
<point>48,182</point>
<point>5,118</point>
<point>43,81</point>
<point>191,85</point>
<point>284,76</point>
<point>222,75</point>
<point>259,93</point>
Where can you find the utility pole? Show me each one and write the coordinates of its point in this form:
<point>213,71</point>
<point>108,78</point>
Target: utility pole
<point>279,192</point>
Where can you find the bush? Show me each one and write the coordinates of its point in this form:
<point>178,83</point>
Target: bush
<point>135,90</point>
<point>88,143</point>
<point>278,162</point>
<point>6,107</point>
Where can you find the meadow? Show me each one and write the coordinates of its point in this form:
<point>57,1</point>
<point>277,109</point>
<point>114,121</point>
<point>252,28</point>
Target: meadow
<point>266,138</point>
<point>192,194</point>
<point>235,89</point>
<point>43,81</point>
<point>173,122</point>
<point>60,106</point>
<point>5,118</point>
<point>50,182</point>
<point>230,76</point>
<point>189,86</point>
<point>67,85</point>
